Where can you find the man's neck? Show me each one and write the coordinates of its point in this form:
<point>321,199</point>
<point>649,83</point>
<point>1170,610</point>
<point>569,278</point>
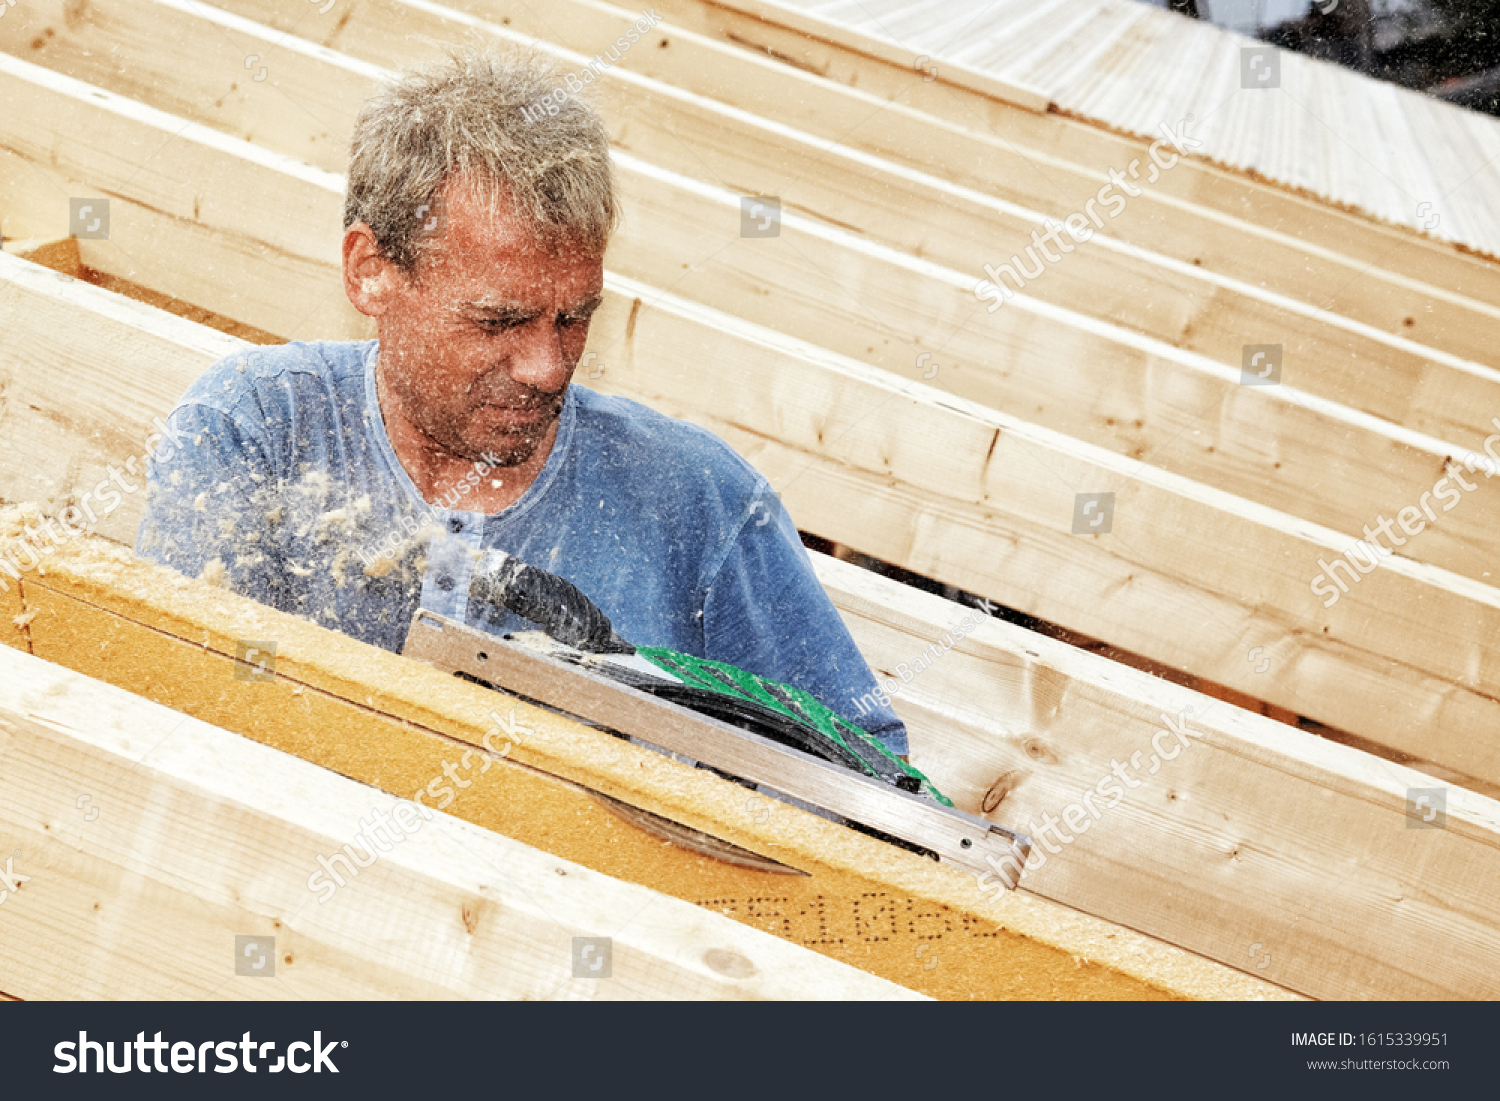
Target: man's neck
<point>438,473</point>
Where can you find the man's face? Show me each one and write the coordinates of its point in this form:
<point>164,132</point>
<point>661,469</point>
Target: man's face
<point>478,349</point>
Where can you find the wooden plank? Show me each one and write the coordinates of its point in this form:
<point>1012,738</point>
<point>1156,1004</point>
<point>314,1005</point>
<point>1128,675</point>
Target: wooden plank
<point>216,837</point>
<point>68,337</point>
<point>1136,396</point>
<point>846,447</point>
<point>136,165</point>
<point>1255,834</point>
<point>380,719</point>
<point>821,29</point>
<point>213,269</point>
<point>1409,713</point>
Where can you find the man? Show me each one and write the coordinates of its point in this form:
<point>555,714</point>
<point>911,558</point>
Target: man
<point>354,482</point>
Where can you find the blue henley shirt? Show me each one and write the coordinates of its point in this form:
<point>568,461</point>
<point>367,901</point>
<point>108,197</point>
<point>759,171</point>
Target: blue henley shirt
<point>277,470</point>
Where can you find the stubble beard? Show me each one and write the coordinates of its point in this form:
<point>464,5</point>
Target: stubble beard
<point>443,435</point>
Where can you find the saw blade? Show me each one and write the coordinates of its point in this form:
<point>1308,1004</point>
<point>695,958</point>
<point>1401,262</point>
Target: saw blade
<point>704,844</point>
<point>863,803</point>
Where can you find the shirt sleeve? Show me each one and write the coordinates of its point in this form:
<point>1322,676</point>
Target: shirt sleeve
<point>210,504</point>
<point>765,611</point>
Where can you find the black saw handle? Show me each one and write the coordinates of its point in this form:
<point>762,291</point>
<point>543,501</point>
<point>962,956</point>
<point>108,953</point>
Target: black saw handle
<point>555,605</point>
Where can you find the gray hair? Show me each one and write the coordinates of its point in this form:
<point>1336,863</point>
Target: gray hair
<point>504,123</point>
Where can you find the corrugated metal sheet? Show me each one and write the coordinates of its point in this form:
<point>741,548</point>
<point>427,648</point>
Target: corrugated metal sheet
<point>1396,154</point>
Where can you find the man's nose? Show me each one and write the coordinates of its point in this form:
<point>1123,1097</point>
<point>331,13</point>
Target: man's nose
<point>539,360</point>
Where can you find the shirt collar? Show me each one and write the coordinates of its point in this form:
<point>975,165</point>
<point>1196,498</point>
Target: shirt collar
<point>562,446</point>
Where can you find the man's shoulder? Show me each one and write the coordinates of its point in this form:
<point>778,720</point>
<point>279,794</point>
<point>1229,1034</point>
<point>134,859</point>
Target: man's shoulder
<point>261,373</point>
<point>649,442</point>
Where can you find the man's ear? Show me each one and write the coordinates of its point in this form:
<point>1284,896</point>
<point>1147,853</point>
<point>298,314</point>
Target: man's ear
<point>369,278</point>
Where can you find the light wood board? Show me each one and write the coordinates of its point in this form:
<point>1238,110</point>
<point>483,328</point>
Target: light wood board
<point>153,842</point>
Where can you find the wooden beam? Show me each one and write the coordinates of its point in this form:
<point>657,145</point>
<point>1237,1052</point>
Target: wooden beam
<point>188,261</point>
<point>131,818</point>
<point>1133,395</point>
<point>1180,622</point>
<point>383,720</point>
<point>1256,834</point>
<point>69,337</point>
<point>992,512</point>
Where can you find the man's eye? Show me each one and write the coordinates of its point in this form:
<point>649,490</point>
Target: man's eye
<point>497,324</point>
<point>572,320</point>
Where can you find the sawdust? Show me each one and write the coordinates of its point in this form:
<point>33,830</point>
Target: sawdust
<point>337,566</point>
<point>341,521</point>
<point>392,557</point>
<point>250,561</point>
<point>214,573</point>
<point>24,521</point>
